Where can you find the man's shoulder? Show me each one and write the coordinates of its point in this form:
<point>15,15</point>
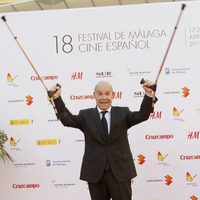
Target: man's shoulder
<point>118,108</point>
<point>88,110</point>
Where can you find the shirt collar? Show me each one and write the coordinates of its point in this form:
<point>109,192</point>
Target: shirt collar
<point>100,110</point>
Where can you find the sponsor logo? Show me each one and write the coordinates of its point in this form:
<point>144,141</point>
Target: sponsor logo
<point>103,74</point>
<point>79,140</point>
<point>77,76</point>
<point>15,100</point>
<point>185,91</point>
<point>193,135</point>
<point>117,95</point>
<point>193,197</point>
<point>167,70</point>
<point>141,159</point>
<point>25,186</point>
<point>23,165</point>
<point>48,142</point>
<point>82,97</point>
<point>190,157</point>
<point>177,71</point>
<point>54,163</point>
<point>16,122</point>
<point>138,73</point>
<point>159,137</point>
<point>154,180</point>
<point>46,78</point>
<point>60,185</point>
<point>29,100</point>
<point>139,94</point>
<point>168,180</point>
<point>156,115</point>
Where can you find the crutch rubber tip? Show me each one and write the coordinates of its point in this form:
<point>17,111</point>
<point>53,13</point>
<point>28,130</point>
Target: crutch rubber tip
<point>3,18</point>
<point>142,81</point>
<point>183,6</point>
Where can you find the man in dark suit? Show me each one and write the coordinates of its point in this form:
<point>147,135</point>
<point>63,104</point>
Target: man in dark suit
<point>107,164</point>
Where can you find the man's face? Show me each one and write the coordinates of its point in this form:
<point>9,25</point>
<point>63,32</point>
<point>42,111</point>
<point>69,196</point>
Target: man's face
<point>103,95</point>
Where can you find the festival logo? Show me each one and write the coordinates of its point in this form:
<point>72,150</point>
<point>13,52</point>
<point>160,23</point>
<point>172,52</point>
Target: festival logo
<point>162,159</point>
<point>191,179</point>
<point>14,144</point>
<point>11,78</point>
<point>178,114</point>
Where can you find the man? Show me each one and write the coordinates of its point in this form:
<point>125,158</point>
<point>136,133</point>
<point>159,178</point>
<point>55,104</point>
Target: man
<point>107,163</point>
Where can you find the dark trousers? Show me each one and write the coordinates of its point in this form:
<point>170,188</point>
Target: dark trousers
<point>109,188</point>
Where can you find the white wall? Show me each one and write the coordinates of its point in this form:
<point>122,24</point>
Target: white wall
<point>47,155</point>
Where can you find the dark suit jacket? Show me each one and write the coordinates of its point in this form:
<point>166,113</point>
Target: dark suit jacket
<point>97,149</point>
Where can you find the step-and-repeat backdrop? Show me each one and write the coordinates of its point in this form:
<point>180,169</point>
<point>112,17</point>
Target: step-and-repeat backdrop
<point>77,48</point>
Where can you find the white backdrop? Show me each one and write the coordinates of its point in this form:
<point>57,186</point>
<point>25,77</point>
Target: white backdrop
<point>77,48</point>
